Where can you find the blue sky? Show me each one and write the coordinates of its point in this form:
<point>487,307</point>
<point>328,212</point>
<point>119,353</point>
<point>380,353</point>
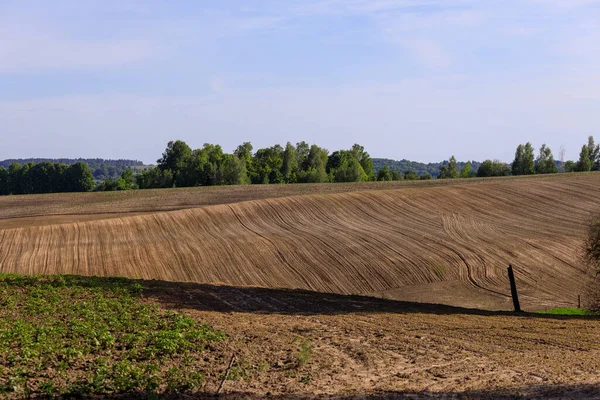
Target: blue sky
<point>407,79</point>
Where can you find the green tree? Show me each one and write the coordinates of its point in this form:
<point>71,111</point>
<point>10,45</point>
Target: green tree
<point>410,175</point>
<point>585,163</point>
<point>41,178</point>
<point>397,176</point>
<point>155,178</point>
<point>244,153</point>
<point>4,188</point>
<point>14,178</point>
<point>570,166</point>
<point>302,152</point>
<point>544,164</point>
<point>268,164</point>
<point>314,169</point>
<point>364,159</point>
<point>384,174</point>
<point>493,168</point>
<point>195,171</point>
<point>234,171</point>
<point>289,166</point>
<point>59,177</point>
<point>343,166</point>
<point>425,177</point>
<point>213,169</point>
<point>518,161</point>
<point>594,154</point>
<point>528,167</point>
<point>467,171</point>
<point>79,178</point>
<point>175,157</point>
<point>449,171</point>
<point>128,179</point>
<point>485,169</point>
<point>524,163</point>
<point>125,182</point>
<point>26,179</point>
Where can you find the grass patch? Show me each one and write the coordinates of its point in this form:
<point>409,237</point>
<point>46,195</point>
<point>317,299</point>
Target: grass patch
<point>567,311</point>
<point>304,352</point>
<point>71,335</point>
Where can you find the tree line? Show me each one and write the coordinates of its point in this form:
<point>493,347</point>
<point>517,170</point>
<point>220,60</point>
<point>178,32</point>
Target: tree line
<point>101,169</point>
<point>45,177</point>
<point>420,169</point>
<point>526,163</point>
<point>182,166</point>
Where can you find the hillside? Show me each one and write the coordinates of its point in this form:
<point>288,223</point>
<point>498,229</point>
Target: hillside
<point>69,161</point>
<point>44,209</point>
<point>419,167</point>
<point>101,168</point>
<point>447,244</point>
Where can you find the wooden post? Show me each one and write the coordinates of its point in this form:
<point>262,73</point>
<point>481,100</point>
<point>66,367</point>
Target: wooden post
<point>578,301</point>
<point>226,375</point>
<point>513,289</point>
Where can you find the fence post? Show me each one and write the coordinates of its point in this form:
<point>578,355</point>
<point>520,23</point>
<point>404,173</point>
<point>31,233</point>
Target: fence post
<point>513,289</point>
<point>579,301</point>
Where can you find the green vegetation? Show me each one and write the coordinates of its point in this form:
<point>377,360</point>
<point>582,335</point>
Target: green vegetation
<point>567,311</point>
<point>524,163</point>
<point>181,166</point>
<point>544,163</point>
<point>490,168</point>
<point>450,171</point>
<point>304,352</point>
<point>430,170</point>
<point>101,169</point>
<point>45,178</point>
<point>68,335</point>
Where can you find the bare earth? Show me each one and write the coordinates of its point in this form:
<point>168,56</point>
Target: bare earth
<point>276,267</point>
<point>443,244</point>
<point>373,348</point>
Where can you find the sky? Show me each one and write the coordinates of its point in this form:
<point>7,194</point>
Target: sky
<point>407,79</point>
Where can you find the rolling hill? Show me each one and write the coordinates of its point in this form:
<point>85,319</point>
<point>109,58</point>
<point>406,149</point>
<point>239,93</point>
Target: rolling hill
<point>444,244</point>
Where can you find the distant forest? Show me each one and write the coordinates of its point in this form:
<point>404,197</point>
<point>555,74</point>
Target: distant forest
<point>182,166</point>
<point>101,169</point>
<point>419,168</point>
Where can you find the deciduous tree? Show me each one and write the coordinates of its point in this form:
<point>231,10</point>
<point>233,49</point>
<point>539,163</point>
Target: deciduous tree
<point>384,174</point>
<point>585,163</point>
<point>544,164</point>
<point>449,171</point>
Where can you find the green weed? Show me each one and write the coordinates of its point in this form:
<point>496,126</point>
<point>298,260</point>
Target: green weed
<point>567,311</point>
<point>71,335</point>
<point>304,352</point>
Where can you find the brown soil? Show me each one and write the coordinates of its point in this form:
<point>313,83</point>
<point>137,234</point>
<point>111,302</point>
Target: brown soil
<point>48,209</point>
<point>431,243</point>
<point>447,244</point>
<point>365,347</point>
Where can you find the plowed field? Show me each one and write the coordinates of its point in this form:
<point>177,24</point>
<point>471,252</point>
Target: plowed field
<point>436,243</point>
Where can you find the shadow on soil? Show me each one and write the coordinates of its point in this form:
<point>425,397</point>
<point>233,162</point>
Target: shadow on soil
<point>535,392</point>
<point>204,297</point>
